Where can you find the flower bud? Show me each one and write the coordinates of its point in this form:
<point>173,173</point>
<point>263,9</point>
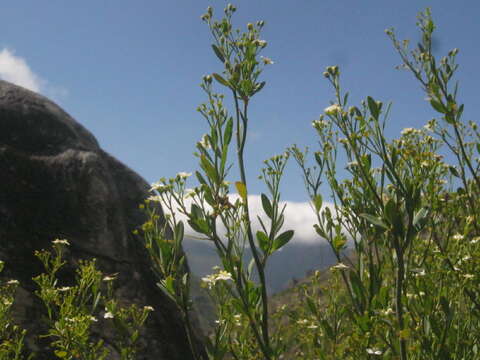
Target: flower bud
<point>207,79</point>
<point>453,52</point>
<point>250,26</point>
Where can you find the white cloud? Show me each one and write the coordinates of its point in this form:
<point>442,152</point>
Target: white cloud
<point>299,216</point>
<point>16,70</point>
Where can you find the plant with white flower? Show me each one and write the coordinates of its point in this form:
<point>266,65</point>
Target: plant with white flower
<point>333,110</point>
<point>60,242</point>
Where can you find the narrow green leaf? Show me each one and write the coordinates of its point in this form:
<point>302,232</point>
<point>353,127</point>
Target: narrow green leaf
<point>218,52</point>
<point>263,241</point>
<point>179,232</point>
<point>390,211</point>
<point>221,80</point>
<point>374,220</point>
<point>339,242</point>
<point>282,239</point>
<point>258,87</point>
<point>200,178</point>
<point>372,106</point>
<point>195,211</point>
<point>438,106</point>
<point>317,202</point>
<point>453,171</point>
<point>208,167</point>
<point>420,217</point>
<point>227,137</point>
<point>242,190</point>
<point>319,231</point>
<point>267,206</point>
<point>60,353</point>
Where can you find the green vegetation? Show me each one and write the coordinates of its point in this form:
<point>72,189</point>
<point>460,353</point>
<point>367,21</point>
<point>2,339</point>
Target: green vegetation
<point>72,312</point>
<point>411,289</point>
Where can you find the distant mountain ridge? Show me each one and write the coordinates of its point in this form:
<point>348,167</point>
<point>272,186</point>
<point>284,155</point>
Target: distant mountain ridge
<point>293,262</point>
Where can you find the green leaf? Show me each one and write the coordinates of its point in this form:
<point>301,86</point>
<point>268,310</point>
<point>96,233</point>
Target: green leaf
<point>242,190</point>
<point>258,87</point>
<point>227,137</point>
<point>282,239</point>
<point>267,206</point>
<point>319,231</point>
<point>209,169</point>
<point>438,106</point>
<point>373,107</point>
<point>390,211</point>
<point>374,220</point>
<point>61,353</point>
<point>179,232</point>
<point>339,242</point>
<point>420,217</point>
<point>196,212</point>
<point>221,80</point>
<point>218,52</point>
<point>263,241</point>
<point>357,288</point>
<point>200,178</point>
<point>199,225</point>
<point>317,202</point>
<point>453,171</point>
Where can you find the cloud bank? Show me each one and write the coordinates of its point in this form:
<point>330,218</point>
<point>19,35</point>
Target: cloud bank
<point>16,70</point>
<point>299,216</point>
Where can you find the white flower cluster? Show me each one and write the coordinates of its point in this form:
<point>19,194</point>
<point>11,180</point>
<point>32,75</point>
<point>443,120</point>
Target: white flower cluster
<point>211,280</point>
<point>333,109</point>
<point>60,242</point>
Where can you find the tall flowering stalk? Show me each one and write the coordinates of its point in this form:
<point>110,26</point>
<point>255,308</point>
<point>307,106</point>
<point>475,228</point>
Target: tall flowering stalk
<point>209,207</point>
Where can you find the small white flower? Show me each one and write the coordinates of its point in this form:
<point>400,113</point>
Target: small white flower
<point>388,311</point>
<point>183,175</point>
<point>475,240</point>
<point>374,351</point>
<point>339,266</point>
<point>458,237</point>
<point>302,321</point>
<point>204,142</point>
<point>65,288</point>
<point>407,131</point>
<point>261,43</point>
<point>94,319</point>
<point>155,198</point>
<point>468,276</point>
<point>108,315</point>
<point>12,282</point>
<point>224,275</point>
<point>60,242</point>
<point>110,277</point>
<point>267,61</point>
<point>312,326</point>
<point>333,109</point>
<point>148,308</point>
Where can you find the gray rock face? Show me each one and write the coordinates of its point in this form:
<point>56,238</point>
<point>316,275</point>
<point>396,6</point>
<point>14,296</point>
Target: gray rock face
<point>56,182</point>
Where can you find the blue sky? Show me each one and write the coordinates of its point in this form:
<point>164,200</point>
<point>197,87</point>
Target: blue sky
<point>129,70</point>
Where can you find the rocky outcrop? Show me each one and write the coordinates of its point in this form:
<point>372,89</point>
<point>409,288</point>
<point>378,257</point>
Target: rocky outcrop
<point>56,182</point>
